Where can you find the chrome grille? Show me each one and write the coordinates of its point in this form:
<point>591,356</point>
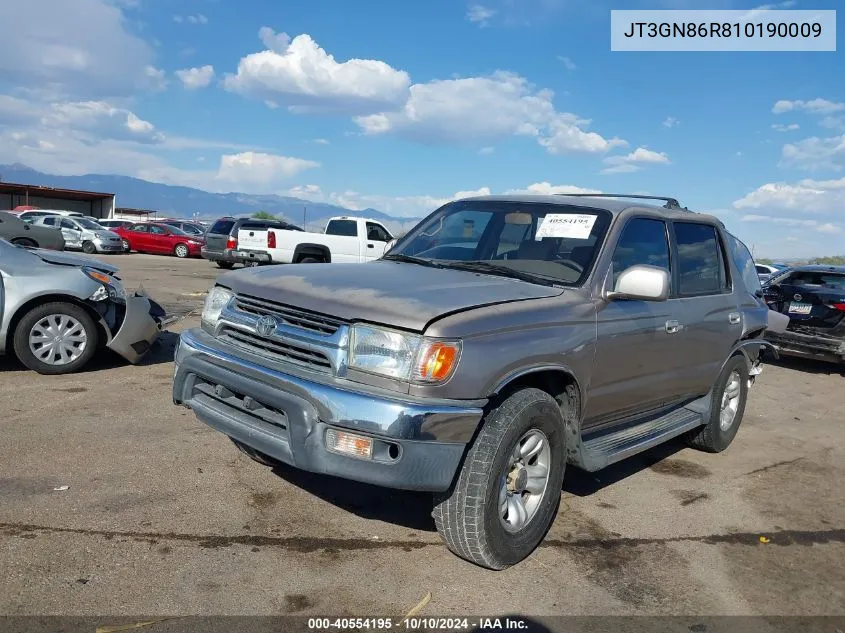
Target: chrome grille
<point>279,350</point>
<point>290,316</point>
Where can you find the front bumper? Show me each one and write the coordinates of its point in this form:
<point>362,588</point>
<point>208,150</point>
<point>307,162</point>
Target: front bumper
<point>142,323</point>
<point>816,346</point>
<point>106,246</point>
<point>418,444</point>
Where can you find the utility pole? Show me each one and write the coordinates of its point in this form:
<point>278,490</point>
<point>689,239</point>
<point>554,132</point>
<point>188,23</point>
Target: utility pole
<point>304,216</point>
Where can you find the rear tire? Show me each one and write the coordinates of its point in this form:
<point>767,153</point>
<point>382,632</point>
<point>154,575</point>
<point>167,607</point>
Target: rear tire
<point>181,251</point>
<point>88,248</point>
<point>501,505</point>
<point>56,319</point>
<point>312,260</point>
<point>22,241</point>
<point>726,409</point>
<point>224,265</point>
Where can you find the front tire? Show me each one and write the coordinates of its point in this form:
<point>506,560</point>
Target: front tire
<point>22,241</point>
<point>88,248</point>
<point>726,408</point>
<point>508,489</point>
<point>181,251</point>
<point>224,265</point>
<point>254,455</point>
<point>56,338</point>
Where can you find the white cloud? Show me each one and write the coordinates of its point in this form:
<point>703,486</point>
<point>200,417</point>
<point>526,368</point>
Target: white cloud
<point>321,141</point>
<point>486,151</point>
<point>178,19</point>
<point>833,122</point>
<point>780,127</point>
<point>814,154</point>
<point>101,120</point>
<point>671,121</point>
<point>485,108</point>
<point>547,189</point>
<point>80,49</point>
<point>261,170</point>
<point>634,161</point>
<point>806,196</point>
<point>305,77</point>
<point>276,42</point>
<point>197,19</point>
<point>815,225</point>
<point>193,78</point>
<point>156,77</point>
<point>567,63</point>
<point>479,14</point>
<point>815,106</point>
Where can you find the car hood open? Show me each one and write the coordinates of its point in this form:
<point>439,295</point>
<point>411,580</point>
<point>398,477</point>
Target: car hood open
<point>397,294</point>
<point>69,259</point>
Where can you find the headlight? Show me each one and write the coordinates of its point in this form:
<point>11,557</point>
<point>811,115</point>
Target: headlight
<point>99,236</point>
<point>402,355</point>
<point>215,301</point>
<point>112,287</point>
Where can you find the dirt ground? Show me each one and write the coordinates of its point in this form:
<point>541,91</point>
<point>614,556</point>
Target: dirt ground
<point>164,516</point>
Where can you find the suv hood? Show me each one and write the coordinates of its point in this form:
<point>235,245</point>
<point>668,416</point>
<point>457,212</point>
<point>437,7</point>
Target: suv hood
<point>403,295</point>
<point>69,259</point>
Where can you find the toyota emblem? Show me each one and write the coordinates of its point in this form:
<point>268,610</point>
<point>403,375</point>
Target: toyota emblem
<point>797,297</point>
<point>266,325</point>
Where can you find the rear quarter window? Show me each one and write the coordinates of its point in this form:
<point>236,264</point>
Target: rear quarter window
<point>222,227</point>
<point>744,262</point>
<point>348,228</point>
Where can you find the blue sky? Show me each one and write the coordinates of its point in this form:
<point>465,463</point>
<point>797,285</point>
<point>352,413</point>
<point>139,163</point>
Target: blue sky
<point>403,105</point>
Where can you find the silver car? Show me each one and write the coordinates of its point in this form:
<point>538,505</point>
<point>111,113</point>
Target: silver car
<point>83,233</point>
<point>57,309</point>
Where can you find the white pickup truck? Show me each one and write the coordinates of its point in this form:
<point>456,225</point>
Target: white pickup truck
<point>345,240</point>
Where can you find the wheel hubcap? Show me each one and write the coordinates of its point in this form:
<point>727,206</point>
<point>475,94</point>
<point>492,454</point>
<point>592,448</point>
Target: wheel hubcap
<point>57,339</point>
<point>730,401</point>
<point>524,481</point>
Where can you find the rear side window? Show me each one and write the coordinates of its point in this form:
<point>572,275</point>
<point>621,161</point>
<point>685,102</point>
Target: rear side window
<point>701,267</point>
<point>49,221</point>
<point>139,228</point>
<point>222,227</point>
<point>643,242</point>
<point>744,262</point>
<point>348,228</point>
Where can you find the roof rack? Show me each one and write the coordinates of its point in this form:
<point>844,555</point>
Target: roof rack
<point>671,203</point>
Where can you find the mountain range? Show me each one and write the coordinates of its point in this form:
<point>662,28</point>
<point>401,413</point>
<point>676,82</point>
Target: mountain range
<point>187,202</point>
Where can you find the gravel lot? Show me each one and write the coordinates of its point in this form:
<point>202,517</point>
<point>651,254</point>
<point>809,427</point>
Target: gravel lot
<point>164,516</point>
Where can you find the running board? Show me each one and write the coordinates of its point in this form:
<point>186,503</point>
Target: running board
<point>602,450</point>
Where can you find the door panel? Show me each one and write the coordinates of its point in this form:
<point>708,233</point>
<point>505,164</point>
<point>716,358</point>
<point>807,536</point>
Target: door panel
<point>637,359</point>
<point>639,346</point>
<point>711,314</point>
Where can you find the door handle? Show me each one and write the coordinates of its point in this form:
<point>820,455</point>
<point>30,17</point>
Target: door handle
<point>734,318</point>
<point>672,326</point>
<point>370,246</point>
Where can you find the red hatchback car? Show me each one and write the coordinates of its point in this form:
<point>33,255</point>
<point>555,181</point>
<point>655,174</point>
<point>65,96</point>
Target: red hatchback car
<point>148,237</point>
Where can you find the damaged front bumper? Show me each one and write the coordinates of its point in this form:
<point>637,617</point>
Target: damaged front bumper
<point>142,322</point>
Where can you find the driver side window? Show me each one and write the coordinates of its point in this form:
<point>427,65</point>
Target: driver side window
<point>643,242</point>
<point>67,224</point>
<point>157,230</point>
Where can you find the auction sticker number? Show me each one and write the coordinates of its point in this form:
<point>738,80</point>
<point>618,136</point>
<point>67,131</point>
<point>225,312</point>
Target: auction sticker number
<point>573,225</point>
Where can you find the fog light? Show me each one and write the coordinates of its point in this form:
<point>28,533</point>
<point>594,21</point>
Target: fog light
<point>349,444</point>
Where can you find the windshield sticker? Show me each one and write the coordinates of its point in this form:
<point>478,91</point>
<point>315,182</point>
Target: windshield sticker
<point>574,225</point>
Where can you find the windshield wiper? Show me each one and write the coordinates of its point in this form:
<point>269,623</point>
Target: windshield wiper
<point>504,271</point>
<point>410,259</point>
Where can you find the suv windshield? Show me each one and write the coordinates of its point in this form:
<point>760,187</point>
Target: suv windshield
<point>516,239</point>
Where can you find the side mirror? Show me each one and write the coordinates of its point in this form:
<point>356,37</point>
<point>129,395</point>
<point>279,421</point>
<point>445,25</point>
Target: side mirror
<point>643,283</point>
